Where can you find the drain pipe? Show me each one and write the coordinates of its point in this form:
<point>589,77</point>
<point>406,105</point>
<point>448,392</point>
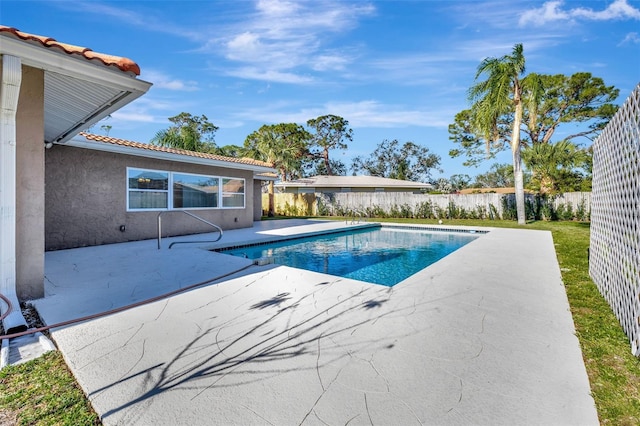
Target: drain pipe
<point>10,91</point>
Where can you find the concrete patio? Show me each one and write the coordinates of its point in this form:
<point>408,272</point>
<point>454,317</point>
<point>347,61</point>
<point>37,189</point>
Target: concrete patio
<point>484,336</point>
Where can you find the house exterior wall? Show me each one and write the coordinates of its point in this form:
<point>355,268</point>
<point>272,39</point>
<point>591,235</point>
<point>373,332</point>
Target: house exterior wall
<point>86,200</point>
<point>257,200</point>
<point>30,185</point>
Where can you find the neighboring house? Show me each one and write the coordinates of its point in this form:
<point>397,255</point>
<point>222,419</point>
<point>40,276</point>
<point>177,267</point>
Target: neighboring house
<point>104,190</point>
<point>98,190</point>
<point>327,184</point>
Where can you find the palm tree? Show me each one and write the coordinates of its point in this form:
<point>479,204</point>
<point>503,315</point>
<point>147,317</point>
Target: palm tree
<point>502,93</point>
<point>282,145</point>
<point>553,165</point>
<point>188,132</point>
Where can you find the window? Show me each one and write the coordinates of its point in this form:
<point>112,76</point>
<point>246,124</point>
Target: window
<point>149,190</point>
<point>195,191</point>
<point>232,192</point>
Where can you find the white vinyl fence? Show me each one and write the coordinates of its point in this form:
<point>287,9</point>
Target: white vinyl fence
<point>614,262</point>
<point>567,206</point>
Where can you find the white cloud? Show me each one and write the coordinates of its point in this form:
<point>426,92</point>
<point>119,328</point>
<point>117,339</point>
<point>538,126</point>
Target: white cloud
<point>162,81</point>
<point>282,38</point>
<point>271,76</point>
<point>147,19</point>
<point>552,11</point>
<point>619,9</point>
<point>123,115</point>
<point>549,12</point>
<point>630,38</point>
<point>368,113</point>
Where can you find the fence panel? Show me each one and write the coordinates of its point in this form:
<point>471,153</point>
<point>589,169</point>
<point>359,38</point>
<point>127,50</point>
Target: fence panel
<point>614,262</point>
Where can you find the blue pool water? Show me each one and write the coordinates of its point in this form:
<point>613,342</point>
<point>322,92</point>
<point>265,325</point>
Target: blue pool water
<point>380,255</point>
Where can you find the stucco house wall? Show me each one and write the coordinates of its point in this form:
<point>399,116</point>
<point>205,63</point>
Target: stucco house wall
<point>257,200</point>
<point>86,199</point>
<point>30,185</point>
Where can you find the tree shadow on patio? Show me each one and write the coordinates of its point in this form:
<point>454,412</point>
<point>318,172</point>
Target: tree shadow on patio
<point>234,352</point>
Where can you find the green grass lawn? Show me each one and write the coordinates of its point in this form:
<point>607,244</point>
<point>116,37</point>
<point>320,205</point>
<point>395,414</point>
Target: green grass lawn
<point>44,392</point>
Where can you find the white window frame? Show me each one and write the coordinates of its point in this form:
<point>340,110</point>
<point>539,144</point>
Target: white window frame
<point>223,193</point>
<point>172,181</point>
<point>128,190</point>
<point>170,193</point>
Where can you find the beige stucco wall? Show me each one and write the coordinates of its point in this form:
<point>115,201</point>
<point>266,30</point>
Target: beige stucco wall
<point>30,185</point>
<point>86,200</point>
<point>257,200</point>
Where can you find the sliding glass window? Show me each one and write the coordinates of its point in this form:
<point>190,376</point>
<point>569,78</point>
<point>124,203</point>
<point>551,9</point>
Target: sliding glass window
<point>150,190</point>
<point>147,189</point>
<point>195,191</point>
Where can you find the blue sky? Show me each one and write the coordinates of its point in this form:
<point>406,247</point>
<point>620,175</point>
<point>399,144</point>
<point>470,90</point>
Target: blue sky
<point>393,69</point>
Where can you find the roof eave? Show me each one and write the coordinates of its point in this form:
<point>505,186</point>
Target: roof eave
<point>81,142</point>
<point>129,87</point>
<point>85,69</point>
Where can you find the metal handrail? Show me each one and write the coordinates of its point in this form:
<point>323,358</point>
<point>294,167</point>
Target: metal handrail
<point>359,215</point>
<point>186,242</point>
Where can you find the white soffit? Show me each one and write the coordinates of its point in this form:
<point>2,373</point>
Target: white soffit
<point>78,92</point>
<point>72,105</point>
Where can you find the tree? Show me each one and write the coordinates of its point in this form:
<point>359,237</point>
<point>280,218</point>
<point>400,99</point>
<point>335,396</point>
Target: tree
<point>284,146</point>
<point>107,128</point>
<point>498,176</point>
<point>502,93</point>
<point>555,167</point>
<point>408,162</point>
<point>545,103</point>
<point>331,132</point>
<point>319,168</point>
<point>579,98</point>
<point>235,151</point>
<point>188,132</point>
<point>459,181</point>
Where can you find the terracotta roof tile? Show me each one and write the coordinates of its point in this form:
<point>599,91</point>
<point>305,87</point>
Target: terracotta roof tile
<point>157,148</point>
<point>123,64</point>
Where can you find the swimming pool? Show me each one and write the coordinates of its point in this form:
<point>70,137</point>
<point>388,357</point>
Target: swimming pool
<point>379,255</point>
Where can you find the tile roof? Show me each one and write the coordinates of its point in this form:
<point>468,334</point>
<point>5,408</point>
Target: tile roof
<point>157,148</point>
<point>123,64</point>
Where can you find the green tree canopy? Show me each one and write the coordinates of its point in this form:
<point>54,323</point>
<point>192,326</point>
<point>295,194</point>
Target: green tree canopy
<point>557,167</point>
<point>314,167</point>
<point>459,181</point>
<point>498,176</point>
<point>188,132</point>
<point>580,98</point>
<point>516,111</point>
<point>407,162</point>
<point>331,132</point>
<point>285,145</point>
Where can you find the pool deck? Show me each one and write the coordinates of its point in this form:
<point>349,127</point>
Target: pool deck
<point>483,336</point>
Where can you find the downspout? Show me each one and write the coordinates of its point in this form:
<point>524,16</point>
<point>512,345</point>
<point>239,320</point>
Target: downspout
<point>10,91</point>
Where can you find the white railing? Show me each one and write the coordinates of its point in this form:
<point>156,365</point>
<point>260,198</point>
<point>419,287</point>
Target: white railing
<point>614,261</point>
